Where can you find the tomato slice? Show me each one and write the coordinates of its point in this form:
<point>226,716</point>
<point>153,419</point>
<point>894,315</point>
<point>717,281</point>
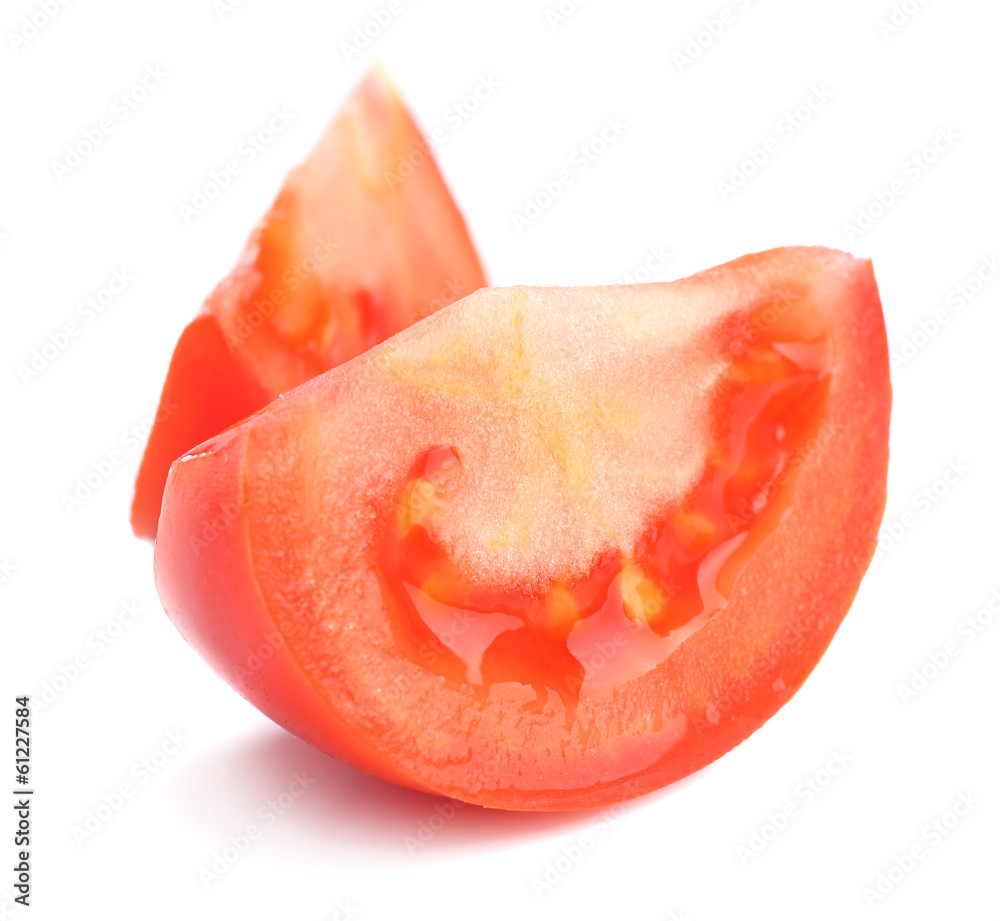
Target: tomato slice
<point>550,548</point>
<point>349,254</point>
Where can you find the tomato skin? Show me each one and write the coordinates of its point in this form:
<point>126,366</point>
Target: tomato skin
<point>343,259</point>
<point>721,685</point>
<point>202,365</point>
<point>205,579</point>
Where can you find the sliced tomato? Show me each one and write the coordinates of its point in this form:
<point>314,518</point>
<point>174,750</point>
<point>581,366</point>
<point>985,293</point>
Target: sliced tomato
<point>550,548</point>
<point>351,252</point>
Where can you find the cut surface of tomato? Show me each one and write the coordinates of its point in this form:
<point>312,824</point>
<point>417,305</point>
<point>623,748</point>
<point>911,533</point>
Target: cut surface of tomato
<point>629,612</point>
<point>349,254</point>
<point>550,548</point>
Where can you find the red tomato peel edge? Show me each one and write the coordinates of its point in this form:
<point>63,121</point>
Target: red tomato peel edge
<point>349,253</point>
<point>380,562</point>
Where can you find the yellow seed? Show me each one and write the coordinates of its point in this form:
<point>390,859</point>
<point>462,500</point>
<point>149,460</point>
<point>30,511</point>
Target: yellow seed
<point>688,525</point>
<point>642,597</point>
<point>560,608</point>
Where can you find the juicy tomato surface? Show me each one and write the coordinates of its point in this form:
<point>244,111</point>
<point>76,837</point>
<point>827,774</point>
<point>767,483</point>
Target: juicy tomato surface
<point>549,548</point>
<point>351,252</point>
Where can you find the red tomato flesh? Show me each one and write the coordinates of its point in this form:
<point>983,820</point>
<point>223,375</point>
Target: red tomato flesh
<point>550,548</point>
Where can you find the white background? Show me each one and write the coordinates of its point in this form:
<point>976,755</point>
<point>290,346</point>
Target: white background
<point>674,854</point>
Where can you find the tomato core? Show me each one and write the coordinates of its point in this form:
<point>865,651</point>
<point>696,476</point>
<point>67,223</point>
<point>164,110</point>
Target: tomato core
<point>582,638</point>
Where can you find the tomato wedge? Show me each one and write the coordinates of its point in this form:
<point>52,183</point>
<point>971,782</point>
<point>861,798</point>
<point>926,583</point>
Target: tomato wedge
<point>348,255</point>
<point>549,548</point>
